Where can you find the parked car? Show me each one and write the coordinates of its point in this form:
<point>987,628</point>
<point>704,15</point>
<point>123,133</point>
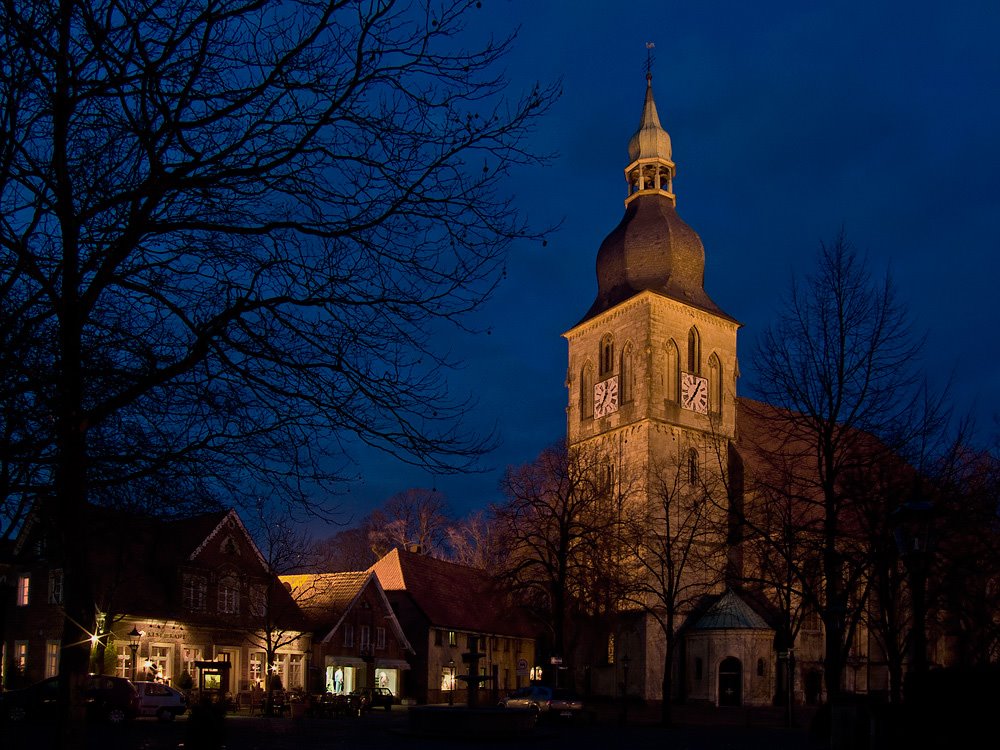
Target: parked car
<point>547,701</point>
<point>159,700</point>
<point>376,696</point>
<point>105,697</point>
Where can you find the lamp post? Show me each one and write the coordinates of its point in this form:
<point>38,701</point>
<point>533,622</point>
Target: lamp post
<point>451,682</point>
<point>133,643</point>
<point>912,529</point>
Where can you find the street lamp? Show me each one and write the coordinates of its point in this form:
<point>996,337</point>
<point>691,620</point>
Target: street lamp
<point>912,529</point>
<point>133,643</point>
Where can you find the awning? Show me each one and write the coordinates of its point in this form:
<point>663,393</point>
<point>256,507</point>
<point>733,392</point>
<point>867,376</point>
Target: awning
<point>391,664</point>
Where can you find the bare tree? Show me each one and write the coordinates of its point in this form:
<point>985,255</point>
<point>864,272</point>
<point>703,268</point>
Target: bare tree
<point>415,519</point>
<point>476,541</point>
<point>349,549</point>
<point>277,620</point>
<point>556,522</point>
<point>677,544</point>
<point>237,224</point>
<point>839,365</point>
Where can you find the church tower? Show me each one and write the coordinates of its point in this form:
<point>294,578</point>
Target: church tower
<point>652,387</point>
<point>652,364</point>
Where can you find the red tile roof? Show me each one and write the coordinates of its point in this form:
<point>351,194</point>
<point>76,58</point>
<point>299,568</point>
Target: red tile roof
<point>451,595</point>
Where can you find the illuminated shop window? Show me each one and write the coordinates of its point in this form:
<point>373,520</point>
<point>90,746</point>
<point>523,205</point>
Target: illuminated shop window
<point>190,655</point>
<point>256,668</point>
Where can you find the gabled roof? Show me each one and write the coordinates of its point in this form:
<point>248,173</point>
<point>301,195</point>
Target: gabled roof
<point>326,599</point>
<point>450,595</point>
<point>730,612</point>
<point>134,557</point>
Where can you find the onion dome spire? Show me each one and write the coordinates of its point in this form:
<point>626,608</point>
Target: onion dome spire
<point>651,249</point>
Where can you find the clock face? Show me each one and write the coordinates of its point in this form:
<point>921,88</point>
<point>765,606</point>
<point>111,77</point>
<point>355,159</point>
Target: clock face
<point>694,393</point>
<point>606,397</point>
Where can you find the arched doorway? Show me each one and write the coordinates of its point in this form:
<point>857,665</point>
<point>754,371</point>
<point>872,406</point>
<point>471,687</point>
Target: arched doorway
<point>730,682</point>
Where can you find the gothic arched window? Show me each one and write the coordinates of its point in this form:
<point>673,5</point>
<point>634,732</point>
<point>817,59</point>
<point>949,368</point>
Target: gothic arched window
<point>607,355</point>
<point>626,376</point>
<point>692,466</point>
<point>672,374</point>
<point>714,384</point>
<point>587,391</point>
<point>694,351</point>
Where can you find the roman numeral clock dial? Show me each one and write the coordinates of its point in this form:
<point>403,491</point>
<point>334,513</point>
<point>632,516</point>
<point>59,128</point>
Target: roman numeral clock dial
<point>694,393</point>
<point>606,397</point>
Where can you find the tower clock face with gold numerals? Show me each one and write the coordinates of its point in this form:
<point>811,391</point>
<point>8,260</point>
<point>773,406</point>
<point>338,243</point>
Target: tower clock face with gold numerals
<point>606,397</point>
<point>694,393</point>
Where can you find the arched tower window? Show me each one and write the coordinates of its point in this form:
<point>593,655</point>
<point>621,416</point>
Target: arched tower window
<point>692,466</point>
<point>626,375</point>
<point>694,351</point>
<point>587,391</point>
<point>672,386</point>
<point>609,478</point>
<point>714,384</point>
<point>607,355</point>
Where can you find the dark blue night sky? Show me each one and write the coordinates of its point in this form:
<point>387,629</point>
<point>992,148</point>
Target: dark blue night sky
<point>789,121</point>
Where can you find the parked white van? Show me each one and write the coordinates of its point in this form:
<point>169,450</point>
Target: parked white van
<point>161,701</point>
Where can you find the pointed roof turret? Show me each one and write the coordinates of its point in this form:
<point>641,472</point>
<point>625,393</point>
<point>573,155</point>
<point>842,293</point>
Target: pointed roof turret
<point>651,170</point>
<point>650,141</point>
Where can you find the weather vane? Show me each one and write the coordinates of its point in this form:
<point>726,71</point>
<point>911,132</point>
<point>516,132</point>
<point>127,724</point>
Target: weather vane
<point>649,58</point>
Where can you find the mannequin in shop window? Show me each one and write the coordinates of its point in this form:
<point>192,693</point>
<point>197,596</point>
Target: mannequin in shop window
<point>338,681</point>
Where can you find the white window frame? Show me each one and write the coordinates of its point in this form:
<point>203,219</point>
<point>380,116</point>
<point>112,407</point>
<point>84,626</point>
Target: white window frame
<point>380,637</point>
<point>349,635</point>
<point>195,592</point>
<point>366,636</point>
<point>20,656</point>
<point>229,596</point>
<point>23,590</point>
<point>123,660</point>
<point>296,670</point>
<point>257,664</point>
<point>53,651</point>
<point>258,600</point>
<point>161,656</point>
